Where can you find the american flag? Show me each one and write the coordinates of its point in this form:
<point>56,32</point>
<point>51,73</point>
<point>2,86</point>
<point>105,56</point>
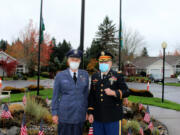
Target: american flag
<point>6,114</point>
<point>151,126</point>
<point>24,100</point>
<point>129,131</point>
<point>90,131</point>
<point>126,101</point>
<point>47,100</point>
<point>23,126</point>
<point>147,115</point>
<point>41,132</point>
<point>140,107</point>
<point>141,131</point>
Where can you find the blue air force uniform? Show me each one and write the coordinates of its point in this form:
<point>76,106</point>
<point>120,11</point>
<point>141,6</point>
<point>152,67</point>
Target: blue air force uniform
<point>70,101</point>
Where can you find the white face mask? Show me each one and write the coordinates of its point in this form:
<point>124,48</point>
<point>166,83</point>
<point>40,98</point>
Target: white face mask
<point>74,65</point>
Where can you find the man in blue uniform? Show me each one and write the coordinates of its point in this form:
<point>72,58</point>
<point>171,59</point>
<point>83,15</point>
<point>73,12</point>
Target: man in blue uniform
<point>70,96</point>
<point>105,98</point>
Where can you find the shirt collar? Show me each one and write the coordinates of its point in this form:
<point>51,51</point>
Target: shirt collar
<point>72,73</point>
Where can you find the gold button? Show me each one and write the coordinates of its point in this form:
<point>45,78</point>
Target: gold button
<point>102,100</point>
<point>117,104</point>
<point>101,95</point>
<point>102,85</point>
<point>101,90</point>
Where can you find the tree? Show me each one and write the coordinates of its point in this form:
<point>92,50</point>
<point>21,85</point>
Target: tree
<point>25,47</point>
<point>132,43</point>
<point>9,66</point>
<point>105,36</point>
<point>144,52</point>
<point>57,58</point>
<point>3,45</point>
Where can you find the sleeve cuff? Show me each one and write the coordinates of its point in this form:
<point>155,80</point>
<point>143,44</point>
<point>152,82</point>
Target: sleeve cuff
<point>90,110</point>
<point>54,112</point>
<point>119,94</point>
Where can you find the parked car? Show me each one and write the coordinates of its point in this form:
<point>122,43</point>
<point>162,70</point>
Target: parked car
<point>155,77</point>
<point>178,77</point>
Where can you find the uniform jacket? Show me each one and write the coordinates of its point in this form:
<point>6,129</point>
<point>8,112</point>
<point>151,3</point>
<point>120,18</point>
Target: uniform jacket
<point>107,108</point>
<point>70,99</point>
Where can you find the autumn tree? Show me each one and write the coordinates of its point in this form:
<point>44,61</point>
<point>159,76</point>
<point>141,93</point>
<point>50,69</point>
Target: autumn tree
<point>26,48</point>
<point>8,65</point>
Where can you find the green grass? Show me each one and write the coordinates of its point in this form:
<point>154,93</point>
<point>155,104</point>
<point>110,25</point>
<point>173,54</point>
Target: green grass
<point>171,84</point>
<point>155,102</point>
<point>144,100</point>
<point>18,97</point>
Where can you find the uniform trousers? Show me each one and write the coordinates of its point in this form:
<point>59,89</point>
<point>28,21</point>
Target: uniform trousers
<point>107,128</point>
<point>70,129</point>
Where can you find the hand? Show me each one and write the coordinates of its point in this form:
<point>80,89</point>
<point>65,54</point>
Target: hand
<point>55,119</point>
<point>91,118</point>
<point>110,92</point>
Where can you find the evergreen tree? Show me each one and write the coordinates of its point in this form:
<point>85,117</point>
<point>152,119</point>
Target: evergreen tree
<point>3,45</point>
<point>144,52</point>
<point>105,36</point>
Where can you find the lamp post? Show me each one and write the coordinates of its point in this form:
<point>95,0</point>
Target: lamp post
<point>164,46</point>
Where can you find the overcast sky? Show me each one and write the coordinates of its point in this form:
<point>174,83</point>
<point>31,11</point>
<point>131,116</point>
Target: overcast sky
<point>155,20</point>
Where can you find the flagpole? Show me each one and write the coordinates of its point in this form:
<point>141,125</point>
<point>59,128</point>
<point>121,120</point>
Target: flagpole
<point>120,33</point>
<point>82,30</point>
<point>39,47</point>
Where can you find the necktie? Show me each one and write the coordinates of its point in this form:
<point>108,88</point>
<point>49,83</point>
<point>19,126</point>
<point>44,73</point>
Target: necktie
<point>74,77</point>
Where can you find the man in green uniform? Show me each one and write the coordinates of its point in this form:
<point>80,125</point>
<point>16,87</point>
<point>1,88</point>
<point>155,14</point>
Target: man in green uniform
<point>108,88</point>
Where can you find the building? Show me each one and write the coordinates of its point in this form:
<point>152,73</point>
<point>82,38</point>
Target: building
<point>154,65</point>
<point>20,68</point>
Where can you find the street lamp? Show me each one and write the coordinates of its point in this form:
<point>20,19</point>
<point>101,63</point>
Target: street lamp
<point>164,46</point>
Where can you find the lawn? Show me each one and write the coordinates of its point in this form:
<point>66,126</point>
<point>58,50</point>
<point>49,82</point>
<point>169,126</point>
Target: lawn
<point>18,97</point>
<point>144,100</point>
<point>171,84</point>
<point>155,102</point>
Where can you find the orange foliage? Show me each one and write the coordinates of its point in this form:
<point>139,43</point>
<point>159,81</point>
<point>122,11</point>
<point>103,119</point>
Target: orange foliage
<point>26,47</point>
<point>91,66</point>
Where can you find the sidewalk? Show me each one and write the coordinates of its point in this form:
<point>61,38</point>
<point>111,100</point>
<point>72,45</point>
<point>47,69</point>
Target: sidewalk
<point>170,118</point>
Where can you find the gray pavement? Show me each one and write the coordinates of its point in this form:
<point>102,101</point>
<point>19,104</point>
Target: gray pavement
<point>170,118</point>
<point>170,92</point>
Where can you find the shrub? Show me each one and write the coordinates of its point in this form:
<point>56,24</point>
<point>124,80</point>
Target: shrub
<point>143,93</point>
<point>134,125</point>
<point>36,110</point>
<point>34,87</point>
<point>24,77</point>
<point>15,77</point>
<point>16,108</point>
<point>45,74</point>
<point>14,90</point>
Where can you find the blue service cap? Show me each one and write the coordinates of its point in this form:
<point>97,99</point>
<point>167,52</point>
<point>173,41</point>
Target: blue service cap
<point>74,53</point>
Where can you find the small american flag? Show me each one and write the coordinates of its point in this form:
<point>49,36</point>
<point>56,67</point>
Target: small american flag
<point>141,131</point>
<point>151,126</point>
<point>140,107</point>
<point>24,100</point>
<point>126,101</point>
<point>41,132</point>
<point>147,115</point>
<point>6,114</point>
<point>129,131</point>
<point>90,131</point>
<point>47,100</point>
<point>23,126</point>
